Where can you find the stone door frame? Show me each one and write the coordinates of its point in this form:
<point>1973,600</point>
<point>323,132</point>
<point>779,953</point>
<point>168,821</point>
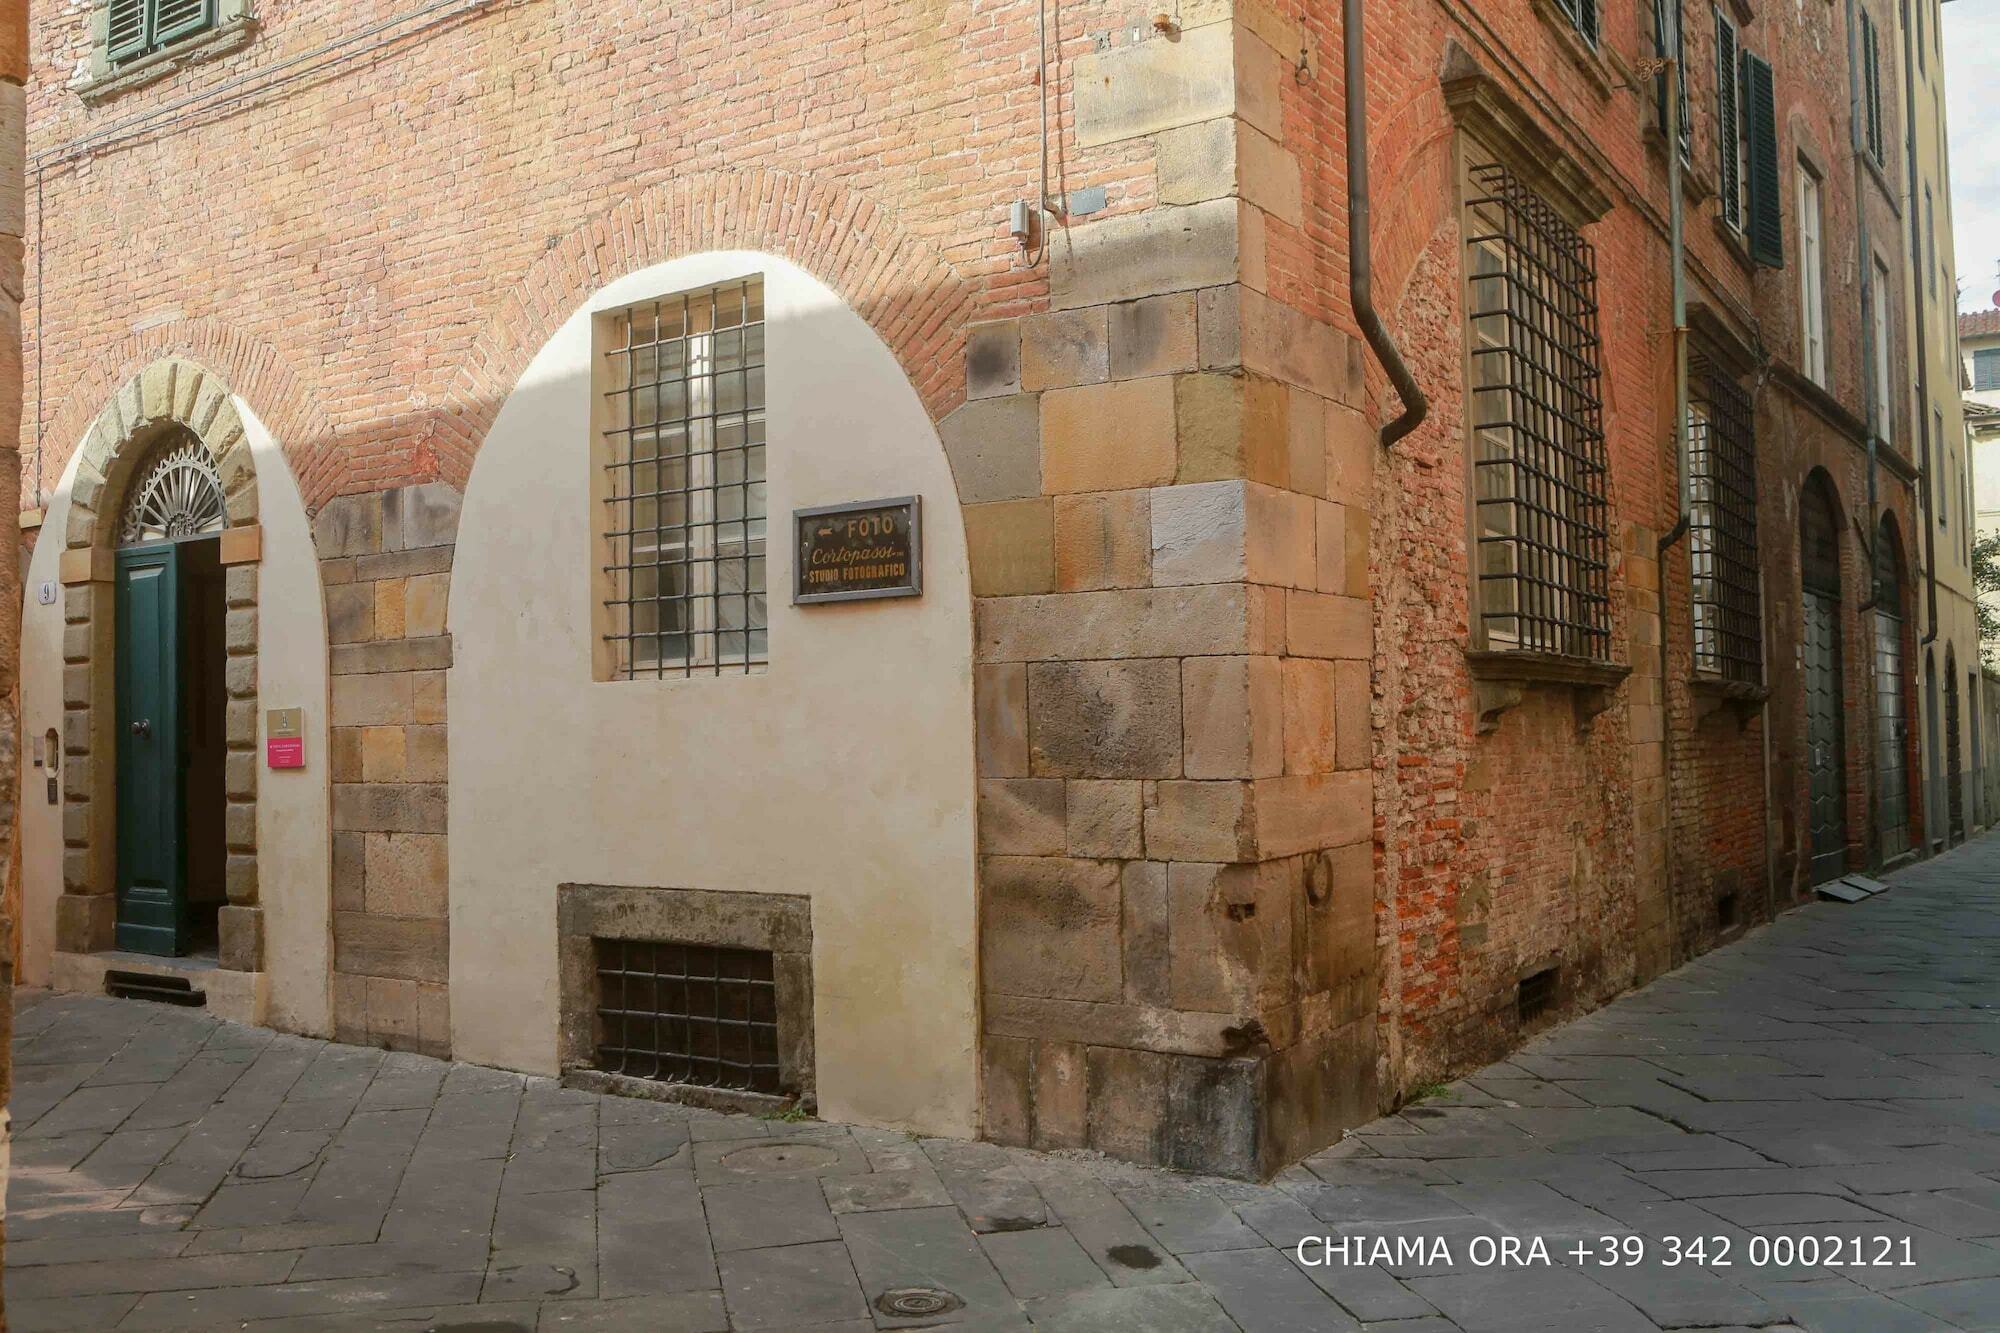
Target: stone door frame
<point>171,392</point>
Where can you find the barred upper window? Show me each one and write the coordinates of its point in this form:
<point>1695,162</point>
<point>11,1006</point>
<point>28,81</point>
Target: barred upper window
<point>137,27</point>
<point>1722,528</point>
<point>1537,435</point>
<point>682,424</point>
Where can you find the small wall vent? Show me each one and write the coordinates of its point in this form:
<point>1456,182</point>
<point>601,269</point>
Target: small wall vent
<point>148,986</point>
<point>1537,994</point>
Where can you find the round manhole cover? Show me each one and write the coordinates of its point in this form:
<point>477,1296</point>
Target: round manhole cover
<point>916,1302</point>
<point>780,1157</point>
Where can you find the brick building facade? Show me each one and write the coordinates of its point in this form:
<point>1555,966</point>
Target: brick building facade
<point>1252,774</point>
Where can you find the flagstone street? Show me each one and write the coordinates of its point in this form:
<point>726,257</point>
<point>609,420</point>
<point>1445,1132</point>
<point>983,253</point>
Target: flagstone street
<point>1799,1130</point>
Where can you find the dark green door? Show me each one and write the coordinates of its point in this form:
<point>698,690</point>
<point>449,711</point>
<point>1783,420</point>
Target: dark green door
<point>152,862</point>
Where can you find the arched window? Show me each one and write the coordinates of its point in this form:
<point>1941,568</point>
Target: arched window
<point>177,493</point>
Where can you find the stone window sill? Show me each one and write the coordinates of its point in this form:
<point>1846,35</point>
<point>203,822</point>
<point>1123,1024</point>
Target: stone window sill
<point>1712,694</point>
<point>1732,241</point>
<point>1502,679</point>
<point>1594,62</point>
<point>221,40</point>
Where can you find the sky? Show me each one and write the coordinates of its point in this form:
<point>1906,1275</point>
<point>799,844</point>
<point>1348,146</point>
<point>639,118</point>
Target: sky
<point>1972,114</point>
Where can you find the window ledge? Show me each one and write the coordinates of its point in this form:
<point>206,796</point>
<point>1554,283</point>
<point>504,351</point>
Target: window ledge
<point>1593,61</point>
<point>1501,679</point>
<point>1712,694</point>
<point>225,37</point>
<point>1732,241</point>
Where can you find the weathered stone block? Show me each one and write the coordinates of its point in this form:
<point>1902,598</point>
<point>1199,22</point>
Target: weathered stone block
<point>1319,625</point>
<point>1000,706</point>
<point>1330,523</point>
<point>344,759</point>
<point>1196,163</point>
<point>427,696</point>
<point>373,700</point>
<point>350,875</point>
<point>1306,464</point>
<point>1351,447</point>
<point>1218,332</point>
<point>1105,819</point>
<point>1061,1096</point>
<point>1232,711</point>
<point>1008,1087</point>
<point>85,923</point>
<point>993,359</point>
<point>1201,821</point>
<point>388,608</point>
<point>1105,719</point>
<point>365,944</point>
<point>1022,817</point>
<point>350,612</point>
<point>389,808</point>
<point>1231,937</point>
<point>1132,622</point>
<point>1103,540</point>
<point>239,769</point>
<point>1280,540</point>
<point>240,938</point>
<point>239,583</point>
<point>1051,927</point>
<point>1311,715</point>
<point>1156,84</point>
<point>1064,348</point>
<point>1353,706</point>
<point>1268,176</point>
<point>239,875</point>
<point>240,630</point>
<point>1290,347</point>
<point>1306,813</point>
<point>1108,437</point>
<point>239,820</point>
<point>390,655</point>
<point>389,565</point>
<point>1232,426</point>
<point>381,754</point>
<point>392,1010</point>
<point>1128,1102</point>
<point>406,873</point>
<point>1154,336</point>
<point>1131,255</point>
<point>1198,533</point>
<point>995,448</point>
<point>1010,546</point>
<point>424,601</point>
<point>348,525</point>
<point>419,516</point>
<point>239,677</point>
<point>425,758</point>
<point>1146,939</point>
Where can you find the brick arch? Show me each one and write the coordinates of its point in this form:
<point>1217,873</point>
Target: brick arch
<point>914,300</point>
<point>251,368</point>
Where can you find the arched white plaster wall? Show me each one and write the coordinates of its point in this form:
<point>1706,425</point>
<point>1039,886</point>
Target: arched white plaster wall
<point>293,808</point>
<point>844,772</point>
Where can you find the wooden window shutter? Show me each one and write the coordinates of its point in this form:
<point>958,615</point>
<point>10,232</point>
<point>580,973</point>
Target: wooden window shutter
<point>126,34</point>
<point>173,19</point>
<point>1766,190</point>
<point>1727,127</point>
<point>1871,81</point>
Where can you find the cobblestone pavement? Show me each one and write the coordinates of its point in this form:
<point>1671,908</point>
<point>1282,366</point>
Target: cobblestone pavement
<point>1832,1079</point>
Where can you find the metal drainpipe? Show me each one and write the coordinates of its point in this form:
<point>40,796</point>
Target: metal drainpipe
<point>1360,257</point>
<point>1859,151</point>
<point>1920,334</point>
<point>1677,246</point>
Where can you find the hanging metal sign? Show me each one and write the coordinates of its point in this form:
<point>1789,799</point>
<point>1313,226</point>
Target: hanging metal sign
<point>850,552</point>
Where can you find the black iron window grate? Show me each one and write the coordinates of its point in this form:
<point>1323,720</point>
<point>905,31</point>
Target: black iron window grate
<point>688,1013</point>
<point>685,499</point>
<point>1722,528</point>
<point>1542,559</point>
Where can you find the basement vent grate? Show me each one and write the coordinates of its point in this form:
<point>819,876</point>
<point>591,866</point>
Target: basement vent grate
<point>1725,912</point>
<point>688,1013</point>
<point>147,986</point>
<point>1537,994</point>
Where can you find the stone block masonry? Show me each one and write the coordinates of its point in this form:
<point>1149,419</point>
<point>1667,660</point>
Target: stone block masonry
<point>385,561</point>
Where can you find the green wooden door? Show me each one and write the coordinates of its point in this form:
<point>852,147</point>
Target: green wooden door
<point>152,862</point>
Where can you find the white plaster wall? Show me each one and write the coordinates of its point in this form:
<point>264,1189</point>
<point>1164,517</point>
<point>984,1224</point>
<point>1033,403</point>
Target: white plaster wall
<point>845,772</point>
<point>293,808</point>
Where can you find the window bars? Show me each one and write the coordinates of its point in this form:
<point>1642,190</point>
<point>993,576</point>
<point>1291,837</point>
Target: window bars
<point>1722,528</point>
<point>1541,545</point>
<point>688,1013</point>
<point>685,499</point>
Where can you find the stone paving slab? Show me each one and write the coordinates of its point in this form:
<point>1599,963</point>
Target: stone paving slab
<point>1825,1090</point>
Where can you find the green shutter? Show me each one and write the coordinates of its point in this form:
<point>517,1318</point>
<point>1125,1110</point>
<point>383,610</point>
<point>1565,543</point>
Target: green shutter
<point>1727,129</point>
<point>1871,82</point>
<point>1766,191</point>
<point>126,35</point>
<point>174,19</point>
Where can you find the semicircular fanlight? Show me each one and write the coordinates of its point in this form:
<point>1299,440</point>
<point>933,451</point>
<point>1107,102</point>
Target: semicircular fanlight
<point>178,495</point>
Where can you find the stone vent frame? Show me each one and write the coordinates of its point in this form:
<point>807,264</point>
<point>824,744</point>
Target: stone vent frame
<point>171,392</point>
<point>778,923</point>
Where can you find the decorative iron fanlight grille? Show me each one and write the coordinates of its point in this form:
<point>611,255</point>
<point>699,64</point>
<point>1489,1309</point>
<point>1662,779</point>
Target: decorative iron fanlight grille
<point>178,495</point>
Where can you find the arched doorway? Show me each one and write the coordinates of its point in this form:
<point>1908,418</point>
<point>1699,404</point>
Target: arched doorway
<point>169,700</point>
<point>1892,733</point>
<point>1826,780</point>
<point>1954,754</point>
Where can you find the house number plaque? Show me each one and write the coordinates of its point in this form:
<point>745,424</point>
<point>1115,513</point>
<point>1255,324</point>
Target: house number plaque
<point>849,552</point>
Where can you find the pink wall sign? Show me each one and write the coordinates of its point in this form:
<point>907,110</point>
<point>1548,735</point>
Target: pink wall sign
<point>285,752</point>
